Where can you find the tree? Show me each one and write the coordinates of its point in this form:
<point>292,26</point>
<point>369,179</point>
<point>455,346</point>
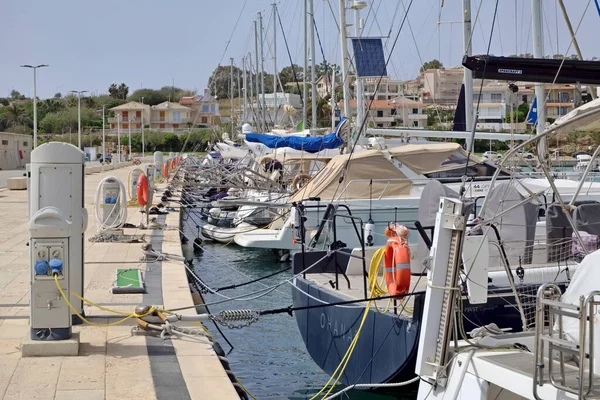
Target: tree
<point>286,75</point>
<point>57,95</point>
<point>520,113</point>
<point>433,64</point>
<point>118,92</point>
<point>220,80</point>
<point>16,95</point>
<point>171,142</point>
<point>151,97</point>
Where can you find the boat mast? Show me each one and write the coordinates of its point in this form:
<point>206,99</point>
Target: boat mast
<point>304,88</point>
<point>574,39</point>
<point>257,112</point>
<point>231,92</point>
<point>275,60</point>
<point>313,69</point>
<point>245,82</point>
<point>239,88</point>
<point>468,75</point>
<point>344,46</point>
<point>333,99</point>
<point>538,52</point>
<point>360,97</point>
<point>262,72</point>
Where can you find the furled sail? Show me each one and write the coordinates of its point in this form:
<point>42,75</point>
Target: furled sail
<point>309,144</point>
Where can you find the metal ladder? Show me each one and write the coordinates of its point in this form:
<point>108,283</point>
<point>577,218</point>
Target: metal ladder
<point>550,314</point>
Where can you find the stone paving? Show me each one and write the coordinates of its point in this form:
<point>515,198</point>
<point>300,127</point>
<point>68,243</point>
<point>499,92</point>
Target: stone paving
<point>112,363</point>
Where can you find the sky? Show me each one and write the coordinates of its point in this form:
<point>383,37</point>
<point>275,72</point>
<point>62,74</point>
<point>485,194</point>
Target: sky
<point>91,44</point>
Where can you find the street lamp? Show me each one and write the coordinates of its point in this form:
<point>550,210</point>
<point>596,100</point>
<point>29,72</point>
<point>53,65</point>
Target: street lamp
<point>143,143</point>
<point>34,100</point>
<point>78,115</point>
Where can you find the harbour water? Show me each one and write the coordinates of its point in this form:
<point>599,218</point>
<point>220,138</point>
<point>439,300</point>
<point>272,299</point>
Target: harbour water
<point>269,357</point>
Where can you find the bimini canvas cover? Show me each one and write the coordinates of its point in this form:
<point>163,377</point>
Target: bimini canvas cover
<point>423,158</point>
<point>585,280</point>
<point>583,118</point>
<point>516,227</point>
<point>309,144</point>
<point>355,183</point>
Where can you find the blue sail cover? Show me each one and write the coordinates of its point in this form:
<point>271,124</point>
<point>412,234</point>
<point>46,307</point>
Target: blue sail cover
<point>308,144</point>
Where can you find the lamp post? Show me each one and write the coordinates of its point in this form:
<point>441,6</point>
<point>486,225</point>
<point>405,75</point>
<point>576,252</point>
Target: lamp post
<point>34,100</point>
<point>103,139</point>
<point>143,143</point>
<point>78,115</point>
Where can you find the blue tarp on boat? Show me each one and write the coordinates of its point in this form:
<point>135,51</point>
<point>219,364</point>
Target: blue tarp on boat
<point>308,144</point>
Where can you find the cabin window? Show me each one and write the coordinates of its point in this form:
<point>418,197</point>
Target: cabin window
<point>524,98</point>
<point>393,111</point>
<point>415,123</point>
<point>379,113</point>
<point>496,97</point>
<point>205,108</point>
<point>415,111</point>
<point>380,125</point>
<point>25,143</point>
<point>393,123</point>
<point>5,143</point>
<point>564,97</point>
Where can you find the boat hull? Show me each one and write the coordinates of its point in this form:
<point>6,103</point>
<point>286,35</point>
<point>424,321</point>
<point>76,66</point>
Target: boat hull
<point>385,350</point>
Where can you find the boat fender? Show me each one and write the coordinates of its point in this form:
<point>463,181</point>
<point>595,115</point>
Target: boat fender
<point>369,230</point>
<point>142,190</point>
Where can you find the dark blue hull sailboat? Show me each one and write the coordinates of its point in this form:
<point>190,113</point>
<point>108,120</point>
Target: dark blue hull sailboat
<point>387,346</point>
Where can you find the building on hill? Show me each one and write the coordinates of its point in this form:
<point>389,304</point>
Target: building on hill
<point>386,90</point>
<point>441,86</point>
<point>130,115</point>
<point>393,113</point>
<point>166,116</point>
<point>204,109</point>
<point>170,117</point>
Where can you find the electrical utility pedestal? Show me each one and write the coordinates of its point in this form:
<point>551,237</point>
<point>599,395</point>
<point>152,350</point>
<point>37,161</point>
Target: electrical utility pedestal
<point>58,220</point>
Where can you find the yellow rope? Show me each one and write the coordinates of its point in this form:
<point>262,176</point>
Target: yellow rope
<point>129,315</point>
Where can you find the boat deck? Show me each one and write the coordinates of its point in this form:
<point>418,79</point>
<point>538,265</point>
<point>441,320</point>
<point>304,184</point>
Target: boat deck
<point>112,363</point>
<point>513,371</point>
<point>356,289</point>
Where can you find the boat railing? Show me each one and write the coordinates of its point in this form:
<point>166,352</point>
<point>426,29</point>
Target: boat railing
<point>550,332</point>
<point>330,216</point>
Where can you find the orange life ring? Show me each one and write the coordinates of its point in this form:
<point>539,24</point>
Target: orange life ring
<point>397,260</point>
<point>172,164</point>
<point>142,190</point>
<point>165,170</point>
<point>300,180</point>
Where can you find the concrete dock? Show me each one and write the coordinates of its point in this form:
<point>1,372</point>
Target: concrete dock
<point>113,363</point>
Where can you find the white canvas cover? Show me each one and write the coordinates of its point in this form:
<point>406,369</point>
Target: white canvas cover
<point>423,158</point>
<point>363,166</point>
<point>589,121</point>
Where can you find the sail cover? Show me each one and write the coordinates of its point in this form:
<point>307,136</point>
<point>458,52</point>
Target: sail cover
<point>309,144</point>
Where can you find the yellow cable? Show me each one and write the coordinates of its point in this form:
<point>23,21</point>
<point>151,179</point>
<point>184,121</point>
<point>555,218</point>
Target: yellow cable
<point>66,299</point>
<point>245,390</point>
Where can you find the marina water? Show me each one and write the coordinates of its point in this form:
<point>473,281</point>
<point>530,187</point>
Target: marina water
<point>269,356</point>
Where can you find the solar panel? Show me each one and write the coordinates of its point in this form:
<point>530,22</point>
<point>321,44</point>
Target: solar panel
<point>368,57</point>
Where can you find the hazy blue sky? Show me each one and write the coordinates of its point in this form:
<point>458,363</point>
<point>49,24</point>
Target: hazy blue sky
<point>91,44</point>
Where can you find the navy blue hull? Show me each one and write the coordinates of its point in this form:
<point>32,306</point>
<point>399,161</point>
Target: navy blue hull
<point>387,346</point>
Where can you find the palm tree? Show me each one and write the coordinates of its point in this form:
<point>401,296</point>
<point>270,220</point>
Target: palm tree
<point>14,114</point>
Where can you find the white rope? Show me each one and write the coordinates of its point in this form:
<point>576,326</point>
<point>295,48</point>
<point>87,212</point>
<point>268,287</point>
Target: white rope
<point>372,385</point>
<point>121,218</point>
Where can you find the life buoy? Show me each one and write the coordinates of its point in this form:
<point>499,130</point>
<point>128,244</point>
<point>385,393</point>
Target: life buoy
<point>397,260</point>
<point>300,180</point>
<point>142,190</point>
<point>165,170</point>
<point>173,165</point>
